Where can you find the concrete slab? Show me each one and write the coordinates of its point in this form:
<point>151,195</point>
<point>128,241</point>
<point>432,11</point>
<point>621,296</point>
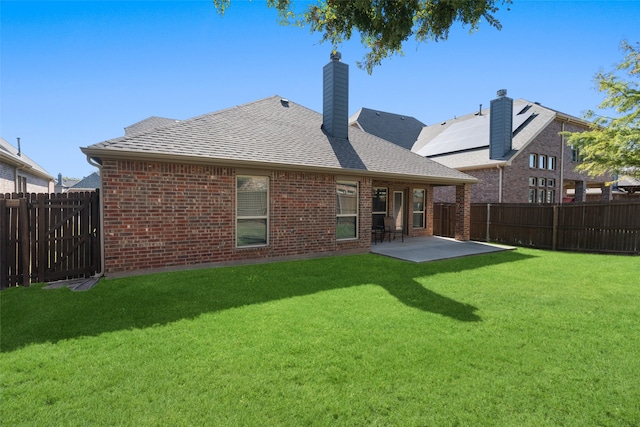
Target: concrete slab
<point>423,249</point>
<point>76,285</point>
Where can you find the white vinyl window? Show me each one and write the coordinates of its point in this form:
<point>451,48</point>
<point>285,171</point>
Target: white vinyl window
<point>542,161</point>
<point>418,208</point>
<point>21,184</point>
<point>346,210</point>
<point>252,211</point>
<point>551,196</point>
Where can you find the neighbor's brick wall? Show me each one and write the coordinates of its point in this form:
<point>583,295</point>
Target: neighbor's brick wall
<point>168,215</point>
<point>35,184</point>
<point>515,180</point>
<point>7,178</point>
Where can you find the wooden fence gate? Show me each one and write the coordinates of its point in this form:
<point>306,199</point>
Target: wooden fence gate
<point>48,237</point>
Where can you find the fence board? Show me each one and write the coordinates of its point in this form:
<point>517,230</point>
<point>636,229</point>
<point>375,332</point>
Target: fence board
<point>588,227</point>
<point>48,237</point>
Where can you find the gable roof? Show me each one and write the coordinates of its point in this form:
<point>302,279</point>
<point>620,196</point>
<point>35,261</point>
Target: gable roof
<point>90,182</point>
<point>9,154</point>
<point>150,123</point>
<point>275,133</point>
<point>399,129</point>
<point>463,142</point>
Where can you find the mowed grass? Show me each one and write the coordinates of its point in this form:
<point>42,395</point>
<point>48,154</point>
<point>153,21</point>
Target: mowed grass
<point>522,338</point>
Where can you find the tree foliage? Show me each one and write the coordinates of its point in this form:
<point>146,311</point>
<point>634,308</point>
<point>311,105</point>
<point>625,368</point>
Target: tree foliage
<point>613,143</point>
<point>384,25</point>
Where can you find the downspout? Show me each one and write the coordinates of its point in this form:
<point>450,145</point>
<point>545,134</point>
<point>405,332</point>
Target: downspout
<point>500,171</point>
<point>101,208</point>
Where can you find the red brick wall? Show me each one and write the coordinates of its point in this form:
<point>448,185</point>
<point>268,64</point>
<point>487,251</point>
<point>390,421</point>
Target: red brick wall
<point>407,189</point>
<point>159,215</point>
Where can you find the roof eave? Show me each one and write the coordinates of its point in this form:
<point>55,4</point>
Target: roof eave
<point>97,155</point>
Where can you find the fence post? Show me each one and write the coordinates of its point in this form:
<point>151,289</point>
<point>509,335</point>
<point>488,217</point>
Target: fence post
<point>488,220</point>
<point>4,244</point>
<point>25,241</point>
<point>554,236</point>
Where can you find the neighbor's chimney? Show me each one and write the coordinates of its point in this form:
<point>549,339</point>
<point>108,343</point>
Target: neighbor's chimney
<point>335,104</point>
<point>501,125</point>
<point>59,179</point>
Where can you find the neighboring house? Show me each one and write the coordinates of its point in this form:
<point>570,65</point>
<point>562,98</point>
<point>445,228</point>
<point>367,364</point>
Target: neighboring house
<point>399,129</point>
<point>64,184</point>
<point>627,187</point>
<point>515,150</point>
<point>20,174</point>
<point>89,183</point>
<point>266,180</point>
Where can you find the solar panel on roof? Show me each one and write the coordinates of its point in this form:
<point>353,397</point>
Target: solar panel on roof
<point>466,135</point>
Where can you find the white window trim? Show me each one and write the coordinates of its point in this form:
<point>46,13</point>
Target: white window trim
<point>266,216</point>
<point>356,215</point>
<point>424,201</point>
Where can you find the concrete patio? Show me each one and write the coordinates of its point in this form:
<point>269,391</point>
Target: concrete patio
<point>423,249</point>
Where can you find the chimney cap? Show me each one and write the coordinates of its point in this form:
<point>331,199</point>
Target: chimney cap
<point>502,92</point>
<point>335,56</point>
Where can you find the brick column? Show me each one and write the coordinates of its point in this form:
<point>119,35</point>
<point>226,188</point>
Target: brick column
<point>428,205</point>
<point>463,212</point>
<point>581,192</point>
<point>607,193</point>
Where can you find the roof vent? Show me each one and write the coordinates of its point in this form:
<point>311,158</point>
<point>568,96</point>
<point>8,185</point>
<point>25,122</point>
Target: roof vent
<point>284,102</point>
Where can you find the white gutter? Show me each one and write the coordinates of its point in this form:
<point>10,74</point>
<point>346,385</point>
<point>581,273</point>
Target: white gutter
<point>500,172</point>
<point>101,208</point>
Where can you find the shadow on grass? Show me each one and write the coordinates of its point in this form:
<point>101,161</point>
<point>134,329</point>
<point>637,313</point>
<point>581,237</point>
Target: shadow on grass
<point>32,315</point>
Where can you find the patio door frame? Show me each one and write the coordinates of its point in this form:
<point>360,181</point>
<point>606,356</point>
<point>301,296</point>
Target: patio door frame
<point>400,210</point>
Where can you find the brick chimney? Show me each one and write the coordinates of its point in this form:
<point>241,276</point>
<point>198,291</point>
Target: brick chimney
<point>501,125</point>
<point>335,101</point>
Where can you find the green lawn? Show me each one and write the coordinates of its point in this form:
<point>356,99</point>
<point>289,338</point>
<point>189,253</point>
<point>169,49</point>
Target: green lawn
<point>522,338</point>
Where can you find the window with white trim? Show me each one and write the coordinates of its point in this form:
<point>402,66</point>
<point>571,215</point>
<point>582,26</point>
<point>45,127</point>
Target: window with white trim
<point>346,210</point>
<point>418,208</point>
<point>21,184</point>
<point>551,196</point>
<point>252,211</point>
<point>551,163</point>
<point>542,161</point>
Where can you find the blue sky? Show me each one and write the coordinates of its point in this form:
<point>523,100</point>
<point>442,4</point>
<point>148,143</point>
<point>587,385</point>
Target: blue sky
<point>76,73</point>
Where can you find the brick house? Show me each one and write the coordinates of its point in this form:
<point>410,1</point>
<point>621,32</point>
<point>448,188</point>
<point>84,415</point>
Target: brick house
<point>266,180</point>
<point>20,174</point>
<point>514,150</point>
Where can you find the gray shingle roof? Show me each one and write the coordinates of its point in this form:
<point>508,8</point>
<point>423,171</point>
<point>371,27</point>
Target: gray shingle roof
<point>150,123</point>
<point>90,182</point>
<point>473,130</point>
<point>399,129</point>
<point>275,133</point>
<point>9,154</point>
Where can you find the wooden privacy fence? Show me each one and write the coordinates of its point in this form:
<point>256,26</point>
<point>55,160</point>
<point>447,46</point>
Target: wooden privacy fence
<point>48,237</point>
<point>587,227</point>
